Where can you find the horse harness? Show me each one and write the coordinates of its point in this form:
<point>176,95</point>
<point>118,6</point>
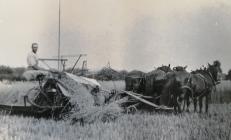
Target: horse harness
<point>203,92</point>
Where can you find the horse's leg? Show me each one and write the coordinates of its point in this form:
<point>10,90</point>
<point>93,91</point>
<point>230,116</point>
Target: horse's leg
<point>206,103</point>
<point>175,104</point>
<point>175,107</point>
<point>183,105</point>
<point>188,103</point>
<point>179,104</point>
<point>179,108</point>
<point>200,103</point>
<point>195,104</point>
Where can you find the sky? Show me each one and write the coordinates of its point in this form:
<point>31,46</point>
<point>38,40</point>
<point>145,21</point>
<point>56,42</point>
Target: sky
<point>130,34</point>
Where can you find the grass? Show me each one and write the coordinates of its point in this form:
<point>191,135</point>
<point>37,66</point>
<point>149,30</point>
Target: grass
<point>216,125</point>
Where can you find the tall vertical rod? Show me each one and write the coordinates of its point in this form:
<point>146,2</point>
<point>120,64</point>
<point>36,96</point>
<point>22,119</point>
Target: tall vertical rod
<point>59,42</point>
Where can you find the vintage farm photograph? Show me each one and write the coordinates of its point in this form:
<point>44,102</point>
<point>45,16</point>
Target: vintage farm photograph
<point>115,70</point>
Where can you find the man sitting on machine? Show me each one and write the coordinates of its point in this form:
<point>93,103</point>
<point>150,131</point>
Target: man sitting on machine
<point>33,69</point>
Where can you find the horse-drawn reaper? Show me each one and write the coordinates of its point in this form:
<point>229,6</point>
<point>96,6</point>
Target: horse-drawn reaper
<point>158,90</point>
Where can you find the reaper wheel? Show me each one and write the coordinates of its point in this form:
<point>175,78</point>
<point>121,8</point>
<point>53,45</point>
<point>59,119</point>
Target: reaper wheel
<point>32,94</point>
<point>38,96</point>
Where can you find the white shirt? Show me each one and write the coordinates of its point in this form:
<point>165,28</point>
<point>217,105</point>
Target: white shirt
<point>32,59</point>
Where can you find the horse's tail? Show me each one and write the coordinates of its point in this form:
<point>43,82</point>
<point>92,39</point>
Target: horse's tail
<point>186,96</point>
<point>188,88</point>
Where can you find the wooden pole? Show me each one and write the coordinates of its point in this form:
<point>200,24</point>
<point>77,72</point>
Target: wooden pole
<point>59,42</point>
<point>147,102</point>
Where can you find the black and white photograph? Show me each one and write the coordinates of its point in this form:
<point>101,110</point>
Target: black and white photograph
<point>115,70</point>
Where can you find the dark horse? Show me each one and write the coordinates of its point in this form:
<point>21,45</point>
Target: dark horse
<point>155,81</point>
<point>171,93</point>
<point>135,81</point>
<point>199,85</point>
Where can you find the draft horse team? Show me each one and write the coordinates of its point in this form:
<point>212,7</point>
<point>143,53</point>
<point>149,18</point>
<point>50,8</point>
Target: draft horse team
<point>176,87</point>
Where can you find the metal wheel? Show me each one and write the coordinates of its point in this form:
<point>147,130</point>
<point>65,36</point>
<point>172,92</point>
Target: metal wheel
<point>33,93</point>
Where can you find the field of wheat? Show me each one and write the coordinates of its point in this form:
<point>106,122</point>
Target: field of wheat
<point>222,93</point>
<point>216,125</point>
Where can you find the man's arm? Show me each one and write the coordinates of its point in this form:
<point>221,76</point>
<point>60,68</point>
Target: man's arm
<point>35,67</point>
<point>48,68</point>
<point>32,62</point>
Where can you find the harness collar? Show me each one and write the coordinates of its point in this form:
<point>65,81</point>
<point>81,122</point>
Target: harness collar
<point>210,75</point>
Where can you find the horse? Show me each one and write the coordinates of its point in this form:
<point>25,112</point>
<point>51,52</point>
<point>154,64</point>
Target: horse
<point>146,84</point>
<point>135,81</point>
<point>165,68</point>
<point>155,81</point>
<point>171,93</point>
<point>158,78</point>
<point>199,85</point>
<point>179,68</point>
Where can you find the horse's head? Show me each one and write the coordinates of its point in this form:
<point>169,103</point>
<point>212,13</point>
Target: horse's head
<point>215,70</point>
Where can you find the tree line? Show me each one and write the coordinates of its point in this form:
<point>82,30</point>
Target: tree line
<point>11,74</point>
<point>106,74</point>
